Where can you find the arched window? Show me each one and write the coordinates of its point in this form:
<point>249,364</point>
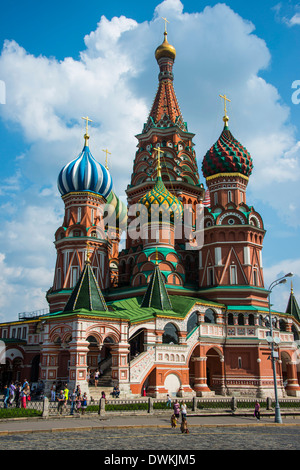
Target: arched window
<point>241,319</point>
<point>192,322</point>
<point>295,333</point>
<point>170,334</point>
<point>282,325</point>
<point>230,319</point>
<point>210,316</point>
<point>251,319</point>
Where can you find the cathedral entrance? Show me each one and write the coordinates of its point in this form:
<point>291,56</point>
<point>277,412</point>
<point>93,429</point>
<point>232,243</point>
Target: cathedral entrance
<point>214,370</point>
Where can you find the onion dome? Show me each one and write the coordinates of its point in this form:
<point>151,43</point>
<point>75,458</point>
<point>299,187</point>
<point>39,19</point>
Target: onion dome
<point>227,155</point>
<point>160,198</point>
<point>84,173</point>
<point>115,212</point>
<point>165,50</point>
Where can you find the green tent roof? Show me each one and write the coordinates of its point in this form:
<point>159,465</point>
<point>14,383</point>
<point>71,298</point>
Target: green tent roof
<point>87,293</point>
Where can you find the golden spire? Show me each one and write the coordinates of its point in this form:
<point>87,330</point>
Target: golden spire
<point>165,49</point>
<point>225,118</point>
<point>86,135</point>
<point>292,290</point>
<point>159,151</point>
<point>106,152</point>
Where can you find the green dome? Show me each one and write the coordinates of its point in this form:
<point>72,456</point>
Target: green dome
<point>160,198</point>
<point>227,155</point>
<point>116,211</point>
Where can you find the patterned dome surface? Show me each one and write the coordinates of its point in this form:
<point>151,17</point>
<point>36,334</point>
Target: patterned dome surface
<point>227,155</point>
<point>84,173</point>
<point>161,197</point>
<point>116,211</point>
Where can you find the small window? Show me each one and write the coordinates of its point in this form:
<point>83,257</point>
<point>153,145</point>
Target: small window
<point>170,334</point>
<point>210,316</point>
<point>233,279</point>
<point>79,215</point>
<point>239,363</point>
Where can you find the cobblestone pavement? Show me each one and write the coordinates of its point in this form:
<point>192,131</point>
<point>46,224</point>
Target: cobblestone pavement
<point>156,439</point>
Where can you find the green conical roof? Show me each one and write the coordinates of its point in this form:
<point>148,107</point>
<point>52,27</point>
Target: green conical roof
<point>87,293</point>
<point>156,295</point>
<point>293,307</point>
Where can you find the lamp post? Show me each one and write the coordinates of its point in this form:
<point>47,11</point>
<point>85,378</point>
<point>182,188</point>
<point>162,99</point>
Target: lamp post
<point>281,280</point>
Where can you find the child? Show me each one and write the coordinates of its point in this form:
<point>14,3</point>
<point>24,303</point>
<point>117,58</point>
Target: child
<point>183,426</point>
<point>84,403</point>
<point>173,421</point>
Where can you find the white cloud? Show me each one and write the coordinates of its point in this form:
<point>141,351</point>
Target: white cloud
<point>114,82</point>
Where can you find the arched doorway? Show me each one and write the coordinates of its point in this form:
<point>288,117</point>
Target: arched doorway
<point>136,342</point>
<point>214,375</point>
<point>172,384</point>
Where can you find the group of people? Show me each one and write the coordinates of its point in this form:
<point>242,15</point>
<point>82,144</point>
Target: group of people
<point>76,399</point>
<point>177,409</point>
<point>17,392</point>
<point>94,377</point>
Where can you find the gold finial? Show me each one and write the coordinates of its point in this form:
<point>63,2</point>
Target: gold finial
<point>225,118</point>
<point>166,21</point>
<point>86,135</point>
<point>156,256</point>
<point>292,290</point>
<point>106,152</point>
<point>159,151</point>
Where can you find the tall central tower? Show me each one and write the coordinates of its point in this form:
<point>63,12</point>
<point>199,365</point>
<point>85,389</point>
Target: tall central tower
<point>165,131</point>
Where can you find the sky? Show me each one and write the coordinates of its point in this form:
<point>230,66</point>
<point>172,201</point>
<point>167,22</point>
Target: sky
<point>60,61</point>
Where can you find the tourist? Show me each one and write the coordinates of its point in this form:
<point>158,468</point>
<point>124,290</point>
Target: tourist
<point>183,427</point>
<point>66,392</point>
<point>53,391</point>
<point>116,392</point>
<point>169,401</point>
<point>257,411</point>
<point>83,403</point>
<point>12,390</point>
<point>96,377</point>
<point>6,396</point>
<point>176,409</point>
<point>173,421</point>
<point>61,401</point>
<point>183,411</point>
<point>73,398</point>
<point>103,395</point>
<point>25,393</point>
<point>17,395</point>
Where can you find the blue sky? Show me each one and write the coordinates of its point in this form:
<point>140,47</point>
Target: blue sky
<point>63,60</point>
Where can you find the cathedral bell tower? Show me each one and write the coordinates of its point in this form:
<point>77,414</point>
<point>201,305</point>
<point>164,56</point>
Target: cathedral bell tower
<point>85,185</point>
<point>166,132</point>
<point>230,267</point>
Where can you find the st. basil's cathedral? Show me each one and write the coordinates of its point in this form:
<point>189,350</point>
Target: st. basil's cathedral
<point>182,308</point>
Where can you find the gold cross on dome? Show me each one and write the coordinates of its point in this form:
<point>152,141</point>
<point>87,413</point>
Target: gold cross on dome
<point>106,152</point>
<point>87,120</point>
<point>159,151</point>
<point>225,99</point>
<point>166,21</point>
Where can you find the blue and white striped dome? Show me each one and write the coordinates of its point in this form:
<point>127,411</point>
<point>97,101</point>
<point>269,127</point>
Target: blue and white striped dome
<point>84,173</point>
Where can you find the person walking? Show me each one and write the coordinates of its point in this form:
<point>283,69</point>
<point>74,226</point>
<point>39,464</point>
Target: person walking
<point>176,409</point>
<point>53,391</point>
<point>12,390</point>
<point>6,396</point>
<point>83,403</point>
<point>183,411</point>
<point>169,401</point>
<point>73,398</point>
<point>61,401</point>
<point>96,377</point>
<point>257,410</point>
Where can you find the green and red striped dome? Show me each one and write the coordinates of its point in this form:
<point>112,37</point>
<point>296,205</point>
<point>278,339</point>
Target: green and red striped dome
<point>227,155</point>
